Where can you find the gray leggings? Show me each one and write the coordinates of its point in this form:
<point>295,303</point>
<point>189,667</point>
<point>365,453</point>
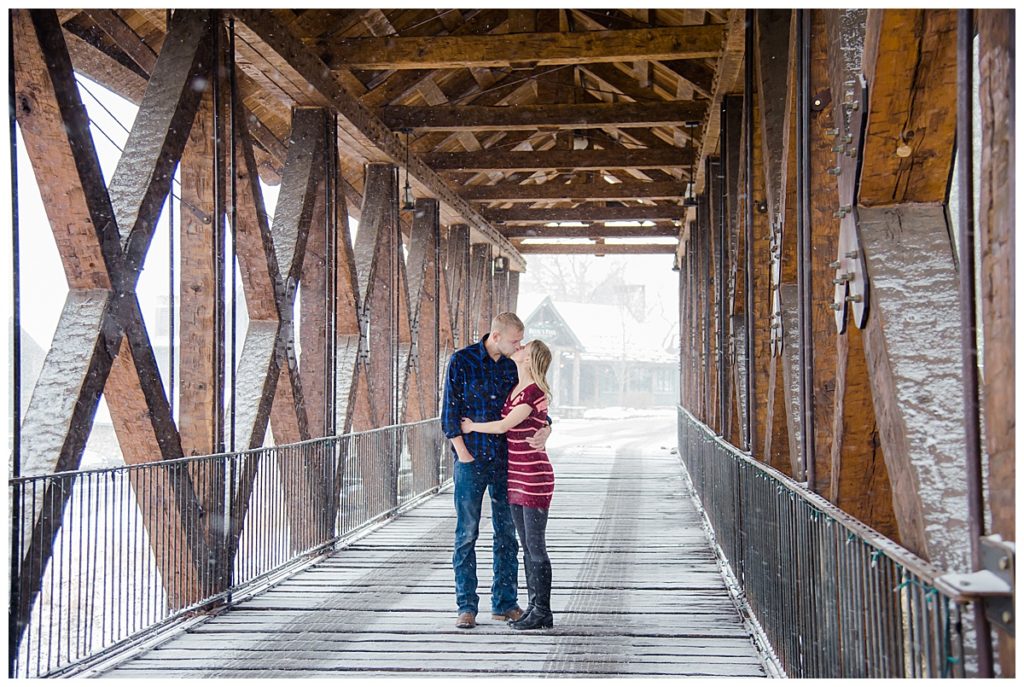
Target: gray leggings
<point>531,524</point>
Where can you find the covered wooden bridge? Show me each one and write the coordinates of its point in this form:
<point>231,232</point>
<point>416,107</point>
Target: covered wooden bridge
<point>834,495</point>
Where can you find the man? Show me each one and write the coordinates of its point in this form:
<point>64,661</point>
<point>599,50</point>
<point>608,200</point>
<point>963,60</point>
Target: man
<point>479,379</point>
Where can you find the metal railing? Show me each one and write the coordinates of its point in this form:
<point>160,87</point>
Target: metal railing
<point>834,597</point>
<point>110,555</point>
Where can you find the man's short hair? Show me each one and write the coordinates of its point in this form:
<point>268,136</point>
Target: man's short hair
<point>506,321</point>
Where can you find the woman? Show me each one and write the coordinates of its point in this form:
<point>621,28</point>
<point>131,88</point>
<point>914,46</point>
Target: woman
<point>531,480</point>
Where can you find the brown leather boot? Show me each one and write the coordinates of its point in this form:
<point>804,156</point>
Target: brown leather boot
<point>511,615</point>
<point>466,621</point>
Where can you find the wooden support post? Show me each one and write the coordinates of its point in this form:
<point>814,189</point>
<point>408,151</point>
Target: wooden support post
<point>513,290</point>
<point>376,255</point>
<point>734,305</point>
<point>197,388</point>
<point>773,61</point>
<point>430,307</point>
<point>699,280</point>
<point>458,261</point>
<point>271,261</point>
<point>760,283</point>
<point>481,289</point>
<point>313,316</point>
<point>429,315</point>
<point>347,333</point>
<point>500,289</point>
<point>996,230</point>
<point>708,204</point>
<point>849,465</point>
<point>692,308</point>
<point>201,380</point>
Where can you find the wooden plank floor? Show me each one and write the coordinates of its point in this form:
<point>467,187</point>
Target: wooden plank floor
<point>636,588</point>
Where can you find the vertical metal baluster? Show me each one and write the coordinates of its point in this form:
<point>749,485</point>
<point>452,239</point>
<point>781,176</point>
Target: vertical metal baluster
<point>871,614</point>
<point>119,550</point>
<point>799,592</point>
<point>852,582</point>
<point>820,571</point>
<point>922,611</point>
<point>842,626</point>
<point>931,601</point>
<point>55,482</point>
<point>133,516</point>
<point>259,547</point>
<point>885,596</point>
<point>91,536</point>
<point>866,607</point>
<point>155,546</point>
<point>885,605</point>
<point>145,551</point>
<point>67,579</point>
<point>905,623</point>
<point>920,644</point>
<point>27,641</point>
<point>80,484</point>
<point>838,535</point>
<point>895,667</point>
<point>910,631</point>
<point>39,597</point>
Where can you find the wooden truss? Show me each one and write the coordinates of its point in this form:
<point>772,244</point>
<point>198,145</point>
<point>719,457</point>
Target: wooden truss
<point>374,339</point>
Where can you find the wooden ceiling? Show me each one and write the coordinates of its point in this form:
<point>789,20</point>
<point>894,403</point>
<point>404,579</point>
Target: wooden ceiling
<point>516,119</point>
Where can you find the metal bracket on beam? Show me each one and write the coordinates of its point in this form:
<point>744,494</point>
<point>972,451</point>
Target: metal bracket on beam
<point>992,586</point>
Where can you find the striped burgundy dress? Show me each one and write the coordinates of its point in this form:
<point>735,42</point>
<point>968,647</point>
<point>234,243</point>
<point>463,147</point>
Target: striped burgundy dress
<point>531,479</point>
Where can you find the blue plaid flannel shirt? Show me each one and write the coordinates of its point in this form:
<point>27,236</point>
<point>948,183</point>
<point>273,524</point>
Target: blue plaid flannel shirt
<point>476,387</point>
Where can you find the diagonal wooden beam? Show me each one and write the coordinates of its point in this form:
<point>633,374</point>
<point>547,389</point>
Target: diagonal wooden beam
<point>375,260</point>
<point>101,307</point>
<point>586,116</point>
<point>727,73</point>
<point>259,27</point>
<point>55,127</point>
<point>774,54</point>
<point>491,160</point>
<point>520,193</point>
<point>910,65</point>
<point>270,386</point>
<point>142,178</point>
<point>111,23</point>
<point>447,52</point>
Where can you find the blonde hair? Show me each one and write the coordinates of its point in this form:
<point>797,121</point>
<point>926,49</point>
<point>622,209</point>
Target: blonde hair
<point>505,321</point>
<point>540,360</point>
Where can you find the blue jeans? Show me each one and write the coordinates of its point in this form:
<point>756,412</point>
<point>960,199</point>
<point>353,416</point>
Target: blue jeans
<point>471,480</point>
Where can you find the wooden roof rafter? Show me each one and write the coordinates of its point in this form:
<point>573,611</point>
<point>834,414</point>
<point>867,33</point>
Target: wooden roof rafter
<point>539,49</point>
<point>294,57</point>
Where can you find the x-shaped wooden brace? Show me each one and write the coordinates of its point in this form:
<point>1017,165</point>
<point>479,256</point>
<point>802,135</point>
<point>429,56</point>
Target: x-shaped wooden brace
<point>103,233</point>
<point>268,385</point>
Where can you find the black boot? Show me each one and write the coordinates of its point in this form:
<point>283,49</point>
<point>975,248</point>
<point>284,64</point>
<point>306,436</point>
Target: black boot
<point>540,617</point>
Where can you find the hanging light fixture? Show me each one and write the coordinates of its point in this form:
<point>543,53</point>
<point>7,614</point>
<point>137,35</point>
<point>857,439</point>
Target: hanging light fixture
<point>408,200</point>
<point>691,200</point>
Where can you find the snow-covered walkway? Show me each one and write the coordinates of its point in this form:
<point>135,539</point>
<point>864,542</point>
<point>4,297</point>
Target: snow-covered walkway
<point>637,590</point>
